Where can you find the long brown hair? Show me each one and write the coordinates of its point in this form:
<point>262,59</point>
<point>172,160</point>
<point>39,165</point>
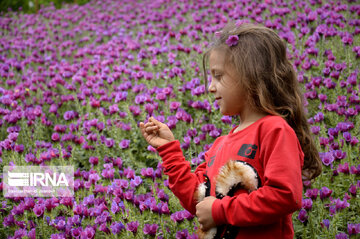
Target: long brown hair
<point>259,57</point>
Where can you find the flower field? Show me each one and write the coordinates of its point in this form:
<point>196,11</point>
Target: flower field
<point>76,82</point>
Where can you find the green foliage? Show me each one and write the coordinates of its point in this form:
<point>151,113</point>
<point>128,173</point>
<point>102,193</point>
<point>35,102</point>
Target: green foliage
<point>32,6</point>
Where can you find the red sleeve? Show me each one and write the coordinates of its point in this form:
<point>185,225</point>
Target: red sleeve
<point>281,193</point>
<point>182,181</point>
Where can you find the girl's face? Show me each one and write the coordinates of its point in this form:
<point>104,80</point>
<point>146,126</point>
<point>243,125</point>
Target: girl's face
<point>225,84</point>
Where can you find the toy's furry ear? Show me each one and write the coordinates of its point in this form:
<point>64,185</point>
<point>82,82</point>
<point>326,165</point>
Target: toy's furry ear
<point>234,174</point>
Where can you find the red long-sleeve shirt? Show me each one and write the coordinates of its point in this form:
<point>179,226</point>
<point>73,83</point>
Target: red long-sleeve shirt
<point>269,145</point>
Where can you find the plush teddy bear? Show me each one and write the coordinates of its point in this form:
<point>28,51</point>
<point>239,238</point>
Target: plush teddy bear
<point>232,176</point>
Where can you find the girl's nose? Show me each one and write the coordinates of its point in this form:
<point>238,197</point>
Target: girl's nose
<point>211,87</point>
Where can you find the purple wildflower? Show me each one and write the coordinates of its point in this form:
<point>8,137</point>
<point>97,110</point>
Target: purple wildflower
<point>94,160</point>
<point>124,144</point>
<point>312,193</point>
<point>341,235</point>
<point>327,158</point>
<point>135,182</point>
<point>325,223</point>
<point>303,216</point>
<point>232,40</point>
<point>76,232</point>
<point>344,168</point>
<point>183,234</point>
<point>150,229</point>
<point>132,226</point>
<point>147,172</point>
<point>353,229</point>
<point>325,193</point>
<point>88,233</point>
<point>352,190</point>
<point>39,210</point>
<point>117,227</point>
<point>341,204</point>
<point>307,204</point>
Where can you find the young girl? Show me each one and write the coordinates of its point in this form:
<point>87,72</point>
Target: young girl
<point>262,161</point>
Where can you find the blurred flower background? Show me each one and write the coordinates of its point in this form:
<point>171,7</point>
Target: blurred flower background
<point>77,80</point>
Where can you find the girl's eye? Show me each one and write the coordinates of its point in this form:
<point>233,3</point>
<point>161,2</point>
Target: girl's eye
<point>218,76</point>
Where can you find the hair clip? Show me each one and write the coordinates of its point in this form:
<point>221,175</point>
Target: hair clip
<point>218,34</point>
<point>232,40</point>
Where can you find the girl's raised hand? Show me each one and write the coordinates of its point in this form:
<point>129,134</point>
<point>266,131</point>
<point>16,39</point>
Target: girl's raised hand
<point>156,133</point>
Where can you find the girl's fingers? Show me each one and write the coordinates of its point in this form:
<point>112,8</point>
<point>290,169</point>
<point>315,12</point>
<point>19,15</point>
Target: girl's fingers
<point>149,124</point>
<point>142,128</point>
<point>154,121</point>
<point>151,129</point>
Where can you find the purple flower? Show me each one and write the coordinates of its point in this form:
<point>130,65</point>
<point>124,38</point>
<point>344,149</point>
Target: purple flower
<point>147,172</point>
<point>135,182</point>
<point>32,233</point>
<point>174,105</point>
<point>89,232</point>
<point>303,216</point>
<point>341,204</point>
<point>315,130</point>
<point>347,136</point>
<point>55,137</point>
<point>183,234</point>
<point>215,133</point>
<point>327,158</point>
<point>162,195</point>
<point>325,223</point>
<point>232,40</point>
<point>354,141</point>
<point>338,154</point>
<point>18,148</point>
<point>69,115</point>
<point>20,233</point>
<point>9,220</point>
<point>325,193</point>
<point>39,210</point>
<point>344,168</point>
<point>93,178</point>
<point>94,160</point>
<point>76,232</point>
<point>307,204</point>
<point>352,190</point>
<point>341,235</point>
<point>124,144</point>
<point>117,227</point>
<point>150,229</point>
<point>132,226</point>
<point>353,229</point>
<point>109,143</point>
<point>113,109</point>
<point>164,209</point>
<point>312,193</point>
<point>355,170</point>
<point>108,173</point>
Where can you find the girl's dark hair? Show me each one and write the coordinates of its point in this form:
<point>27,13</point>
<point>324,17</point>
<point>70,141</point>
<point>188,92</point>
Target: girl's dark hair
<point>270,80</point>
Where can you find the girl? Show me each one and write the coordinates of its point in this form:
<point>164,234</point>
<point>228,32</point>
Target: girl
<point>252,177</point>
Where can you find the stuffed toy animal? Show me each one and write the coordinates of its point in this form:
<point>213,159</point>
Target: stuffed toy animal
<point>234,175</point>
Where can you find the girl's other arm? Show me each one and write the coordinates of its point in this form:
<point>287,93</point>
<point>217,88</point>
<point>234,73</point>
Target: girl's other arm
<point>182,182</point>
